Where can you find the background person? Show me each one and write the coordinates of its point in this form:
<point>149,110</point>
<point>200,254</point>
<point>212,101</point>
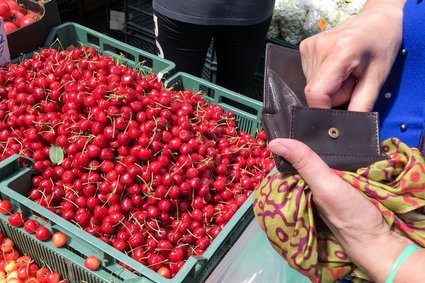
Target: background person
<point>184,30</point>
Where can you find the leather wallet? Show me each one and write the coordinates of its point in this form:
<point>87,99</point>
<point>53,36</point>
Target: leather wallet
<point>345,140</point>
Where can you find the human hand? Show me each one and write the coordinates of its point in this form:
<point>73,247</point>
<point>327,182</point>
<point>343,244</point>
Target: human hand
<point>350,62</point>
<point>353,219</point>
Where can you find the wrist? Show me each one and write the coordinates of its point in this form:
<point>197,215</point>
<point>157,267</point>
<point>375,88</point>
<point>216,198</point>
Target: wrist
<point>393,11</point>
<point>383,254</point>
<point>391,6</point>
<point>404,256</point>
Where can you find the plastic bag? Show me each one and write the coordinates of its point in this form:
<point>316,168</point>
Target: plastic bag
<point>353,7</point>
<point>325,14</point>
<point>289,16</point>
<point>274,29</point>
<point>253,260</point>
<point>322,15</point>
<point>294,20</point>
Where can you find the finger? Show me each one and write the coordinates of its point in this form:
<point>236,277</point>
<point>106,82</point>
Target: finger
<point>308,58</point>
<point>325,82</point>
<point>343,95</point>
<point>365,93</point>
<point>329,190</point>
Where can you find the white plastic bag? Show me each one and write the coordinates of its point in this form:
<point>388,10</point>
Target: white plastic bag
<point>294,20</point>
<point>253,260</point>
<point>322,15</point>
<point>274,29</point>
<point>290,16</point>
<point>353,7</point>
<point>330,12</point>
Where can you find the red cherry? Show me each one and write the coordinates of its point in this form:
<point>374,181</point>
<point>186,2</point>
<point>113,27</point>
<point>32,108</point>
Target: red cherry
<point>42,233</point>
<point>5,207</point>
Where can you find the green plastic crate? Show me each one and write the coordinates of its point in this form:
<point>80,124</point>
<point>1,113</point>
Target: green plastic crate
<point>73,34</point>
<point>61,260</point>
<point>247,110</point>
<point>69,259</point>
<point>16,182</point>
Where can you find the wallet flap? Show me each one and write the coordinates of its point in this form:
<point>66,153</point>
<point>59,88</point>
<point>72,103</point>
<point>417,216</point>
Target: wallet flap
<point>284,80</point>
<point>336,132</point>
<point>282,74</point>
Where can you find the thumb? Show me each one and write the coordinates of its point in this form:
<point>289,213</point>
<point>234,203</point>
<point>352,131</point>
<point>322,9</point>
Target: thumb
<point>329,190</point>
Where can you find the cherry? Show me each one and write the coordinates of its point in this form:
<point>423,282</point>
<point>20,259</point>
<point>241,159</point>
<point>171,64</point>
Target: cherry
<point>92,263</point>
<point>31,225</point>
<point>5,207</point>
<point>136,240</point>
<point>42,233</point>
<point>176,255</point>
<point>59,239</point>
<point>120,245</point>
<point>16,219</point>
<point>155,260</point>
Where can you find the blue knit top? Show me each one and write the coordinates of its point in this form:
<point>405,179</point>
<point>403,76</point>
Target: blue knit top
<point>401,104</point>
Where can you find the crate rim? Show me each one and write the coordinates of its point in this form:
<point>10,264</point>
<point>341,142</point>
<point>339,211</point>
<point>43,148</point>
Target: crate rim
<point>248,101</point>
<point>170,69</point>
<point>69,255</point>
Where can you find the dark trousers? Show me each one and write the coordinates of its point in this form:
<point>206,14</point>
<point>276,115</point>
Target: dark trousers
<point>237,49</point>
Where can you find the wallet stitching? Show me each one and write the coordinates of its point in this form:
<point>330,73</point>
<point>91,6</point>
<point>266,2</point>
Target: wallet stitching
<point>292,121</point>
<point>376,146</point>
<point>352,155</point>
<point>266,90</point>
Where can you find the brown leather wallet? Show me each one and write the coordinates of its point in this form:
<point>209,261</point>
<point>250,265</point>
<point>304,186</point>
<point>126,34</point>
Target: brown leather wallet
<point>345,140</point>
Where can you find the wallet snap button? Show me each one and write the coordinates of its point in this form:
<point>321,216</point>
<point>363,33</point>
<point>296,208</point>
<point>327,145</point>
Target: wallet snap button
<point>333,133</point>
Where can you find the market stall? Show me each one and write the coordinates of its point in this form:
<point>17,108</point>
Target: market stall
<point>115,168</point>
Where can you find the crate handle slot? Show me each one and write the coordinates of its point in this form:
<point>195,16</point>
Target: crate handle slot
<point>10,165</point>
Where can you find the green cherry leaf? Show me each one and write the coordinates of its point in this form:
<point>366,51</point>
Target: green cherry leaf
<point>56,154</point>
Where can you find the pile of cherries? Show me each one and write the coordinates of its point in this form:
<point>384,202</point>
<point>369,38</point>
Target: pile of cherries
<point>154,172</point>
<point>18,268</point>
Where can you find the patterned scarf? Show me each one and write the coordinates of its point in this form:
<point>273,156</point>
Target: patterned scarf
<point>284,208</point>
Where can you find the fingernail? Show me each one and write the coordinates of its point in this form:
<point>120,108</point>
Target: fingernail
<point>278,148</point>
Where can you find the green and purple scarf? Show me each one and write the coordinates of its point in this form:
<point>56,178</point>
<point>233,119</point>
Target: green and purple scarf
<point>284,208</point>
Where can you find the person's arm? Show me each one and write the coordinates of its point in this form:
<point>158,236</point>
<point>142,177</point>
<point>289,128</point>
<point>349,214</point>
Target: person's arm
<point>411,269</point>
<point>355,221</point>
<point>350,62</point>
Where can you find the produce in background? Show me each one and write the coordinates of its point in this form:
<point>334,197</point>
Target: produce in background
<point>287,20</point>
<point>154,172</point>
<point>294,20</point>
<point>18,268</point>
<point>15,15</point>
